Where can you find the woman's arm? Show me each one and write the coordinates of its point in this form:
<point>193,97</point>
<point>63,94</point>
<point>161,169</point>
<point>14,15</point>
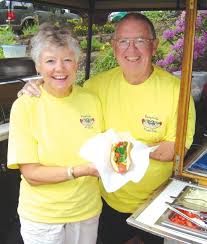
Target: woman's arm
<point>37,174</point>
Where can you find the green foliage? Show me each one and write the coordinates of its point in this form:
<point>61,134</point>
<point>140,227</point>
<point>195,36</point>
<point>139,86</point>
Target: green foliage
<point>1,53</point>
<point>95,29</point>
<point>7,36</point>
<point>161,15</point>
<point>163,49</point>
<point>30,30</point>
<point>74,22</point>
<point>82,30</point>
<point>80,77</point>
<point>104,61</point>
<point>96,45</point>
<point>107,28</point>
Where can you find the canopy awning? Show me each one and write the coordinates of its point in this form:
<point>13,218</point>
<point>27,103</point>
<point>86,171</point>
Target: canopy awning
<point>113,5</point>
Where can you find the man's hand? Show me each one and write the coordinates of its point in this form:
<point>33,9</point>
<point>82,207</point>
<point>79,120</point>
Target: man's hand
<point>31,88</point>
<point>165,151</point>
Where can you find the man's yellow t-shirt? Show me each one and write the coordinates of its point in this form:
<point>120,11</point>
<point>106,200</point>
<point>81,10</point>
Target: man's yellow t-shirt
<point>51,131</point>
<point>149,112</point>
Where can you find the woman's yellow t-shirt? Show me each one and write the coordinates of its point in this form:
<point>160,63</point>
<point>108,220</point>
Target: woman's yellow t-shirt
<point>51,131</point>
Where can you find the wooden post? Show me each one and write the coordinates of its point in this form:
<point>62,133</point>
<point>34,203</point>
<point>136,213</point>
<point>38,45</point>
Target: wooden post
<point>185,89</point>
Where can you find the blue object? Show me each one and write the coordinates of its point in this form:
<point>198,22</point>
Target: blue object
<point>200,164</point>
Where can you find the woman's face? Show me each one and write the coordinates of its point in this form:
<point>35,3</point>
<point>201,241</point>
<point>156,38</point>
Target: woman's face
<point>58,67</point>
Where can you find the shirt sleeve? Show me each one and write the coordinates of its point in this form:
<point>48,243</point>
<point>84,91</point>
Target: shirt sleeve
<point>91,85</point>
<point>96,84</point>
<point>191,124</point>
<point>22,146</point>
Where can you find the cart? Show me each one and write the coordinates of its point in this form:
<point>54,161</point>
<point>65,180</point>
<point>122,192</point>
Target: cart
<point>157,214</point>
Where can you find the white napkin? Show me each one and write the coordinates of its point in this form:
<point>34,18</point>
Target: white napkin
<point>98,150</point>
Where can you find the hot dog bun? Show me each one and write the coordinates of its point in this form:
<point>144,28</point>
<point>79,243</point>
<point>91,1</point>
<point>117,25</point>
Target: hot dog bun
<point>120,156</point>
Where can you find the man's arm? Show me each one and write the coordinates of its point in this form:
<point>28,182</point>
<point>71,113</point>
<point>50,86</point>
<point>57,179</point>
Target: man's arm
<point>31,88</point>
<point>164,152</point>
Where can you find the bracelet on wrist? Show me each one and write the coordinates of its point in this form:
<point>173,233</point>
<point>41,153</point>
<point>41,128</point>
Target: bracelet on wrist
<point>71,175</point>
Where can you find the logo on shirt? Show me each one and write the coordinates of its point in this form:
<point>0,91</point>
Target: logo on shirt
<point>87,121</point>
<point>150,123</point>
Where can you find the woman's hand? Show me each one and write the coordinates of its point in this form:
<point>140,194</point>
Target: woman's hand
<point>31,88</point>
<point>165,151</point>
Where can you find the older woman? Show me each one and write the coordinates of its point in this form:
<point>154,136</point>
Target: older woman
<point>59,199</point>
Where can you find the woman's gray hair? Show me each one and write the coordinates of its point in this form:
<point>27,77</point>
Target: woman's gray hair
<point>48,35</point>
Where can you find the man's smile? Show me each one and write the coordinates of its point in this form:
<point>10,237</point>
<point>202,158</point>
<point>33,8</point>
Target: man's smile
<point>132,59</point>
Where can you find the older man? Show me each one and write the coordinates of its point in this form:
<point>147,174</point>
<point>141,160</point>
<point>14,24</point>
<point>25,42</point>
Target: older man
<point>141,98</point>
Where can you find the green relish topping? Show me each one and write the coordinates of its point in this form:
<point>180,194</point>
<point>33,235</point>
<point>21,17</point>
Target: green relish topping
<point>120,152</point>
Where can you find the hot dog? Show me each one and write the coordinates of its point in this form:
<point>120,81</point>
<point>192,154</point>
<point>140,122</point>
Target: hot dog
<point>120,156</point>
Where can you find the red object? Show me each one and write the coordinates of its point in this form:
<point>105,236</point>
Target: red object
<point>176,218</point>
<point>10,15</point>
<point>122,168</point>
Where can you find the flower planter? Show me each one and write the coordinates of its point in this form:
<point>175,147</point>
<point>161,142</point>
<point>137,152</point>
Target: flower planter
<point>14,51</point>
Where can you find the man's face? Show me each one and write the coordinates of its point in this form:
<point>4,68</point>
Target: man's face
<point>134,55</point>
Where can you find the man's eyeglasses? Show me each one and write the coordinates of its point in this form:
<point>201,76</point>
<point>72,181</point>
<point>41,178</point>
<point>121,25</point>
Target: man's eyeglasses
<point>138,42</point>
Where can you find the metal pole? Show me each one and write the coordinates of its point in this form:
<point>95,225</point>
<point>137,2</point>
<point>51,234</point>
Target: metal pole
<point>89,39</point>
